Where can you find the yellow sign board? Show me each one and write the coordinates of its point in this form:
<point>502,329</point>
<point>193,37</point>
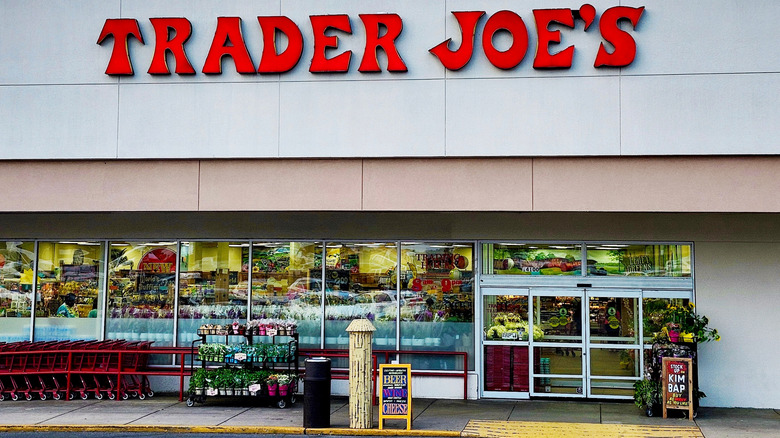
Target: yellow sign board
<point>395,398</point>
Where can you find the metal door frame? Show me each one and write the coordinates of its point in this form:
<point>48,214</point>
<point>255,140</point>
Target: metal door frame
<point>637,346</point>
<point>577,292</point>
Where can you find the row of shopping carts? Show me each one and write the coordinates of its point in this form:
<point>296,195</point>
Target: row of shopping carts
<point>66,369</point>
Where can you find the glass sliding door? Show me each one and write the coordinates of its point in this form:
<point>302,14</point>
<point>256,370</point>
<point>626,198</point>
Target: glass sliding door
<point>614,333</point>
<point>505,366</point>
<point>557,344</point>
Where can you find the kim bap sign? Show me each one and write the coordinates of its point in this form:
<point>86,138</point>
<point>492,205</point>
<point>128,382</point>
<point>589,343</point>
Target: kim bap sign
<point>677,384</point>
<point>549,29</point>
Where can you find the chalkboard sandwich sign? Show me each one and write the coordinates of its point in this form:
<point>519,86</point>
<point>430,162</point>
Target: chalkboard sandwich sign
<point>395,401</point>
<point>677,380</point>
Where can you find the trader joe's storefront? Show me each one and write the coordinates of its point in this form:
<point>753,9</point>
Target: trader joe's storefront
<point>574,319</point>
<point>589,305</point>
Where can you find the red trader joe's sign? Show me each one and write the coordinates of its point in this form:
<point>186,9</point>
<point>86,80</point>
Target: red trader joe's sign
<point>677,380</point>
<point>617,47</point>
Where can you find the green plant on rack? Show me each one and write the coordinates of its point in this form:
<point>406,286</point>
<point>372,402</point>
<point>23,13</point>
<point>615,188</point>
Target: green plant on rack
<point>198,379</point>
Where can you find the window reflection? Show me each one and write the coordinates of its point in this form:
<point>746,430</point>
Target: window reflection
<point>532,259</point>
<point>639,260</point>
<point>505,317</point>
<point>653,318</point>
<point>437,301</point>
<point>212,286</point>
<point>613,320</point>
<point>287,284</point>
<point>360,282</point>
<point>16,280</point>
<point>559,319</point>
<point>70,290</point>
<point>142,280</point>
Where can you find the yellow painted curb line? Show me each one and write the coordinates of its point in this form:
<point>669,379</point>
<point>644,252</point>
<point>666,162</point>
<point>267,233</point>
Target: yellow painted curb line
<point>384,432</point>
<point>534,429</point>
<point>277,430</point>
<point>281,430</point>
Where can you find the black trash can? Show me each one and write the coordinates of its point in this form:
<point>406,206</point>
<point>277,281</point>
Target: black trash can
<point>316,393</point>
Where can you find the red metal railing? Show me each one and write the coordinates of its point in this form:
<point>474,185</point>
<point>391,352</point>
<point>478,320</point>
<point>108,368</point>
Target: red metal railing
<point>120,368</point>
<point>115,369</point>
<point>343,373</point>
<point>338,373</point>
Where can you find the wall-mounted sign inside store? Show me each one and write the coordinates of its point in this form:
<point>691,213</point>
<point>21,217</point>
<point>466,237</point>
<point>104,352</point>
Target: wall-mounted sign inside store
<point>617,49</point>
<point>158,261</point>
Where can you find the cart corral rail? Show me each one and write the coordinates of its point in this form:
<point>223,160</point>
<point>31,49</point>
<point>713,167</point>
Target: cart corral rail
<point>61,369</point>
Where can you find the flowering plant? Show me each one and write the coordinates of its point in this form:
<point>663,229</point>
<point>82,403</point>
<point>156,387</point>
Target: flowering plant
<point>689,323</point>
<point>284,379</point>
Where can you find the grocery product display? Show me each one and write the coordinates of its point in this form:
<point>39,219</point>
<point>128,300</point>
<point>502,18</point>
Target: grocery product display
<point>259,359</point>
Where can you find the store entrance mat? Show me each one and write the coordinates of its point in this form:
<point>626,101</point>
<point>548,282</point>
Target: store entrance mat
<point>521,429</point>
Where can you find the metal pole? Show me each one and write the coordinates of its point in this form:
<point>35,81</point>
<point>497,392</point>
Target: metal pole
<point>34,293</point>
<point>106,289</point>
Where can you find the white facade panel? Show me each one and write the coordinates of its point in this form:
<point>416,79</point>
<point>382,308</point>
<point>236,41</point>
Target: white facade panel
<point>701,114</point>
<point>533,116</point>
<point>705,36</point>
<point>705,81</point>
<point>423,27</point>
<point>199,120</point>
<point>58,122</point>
<point>362,119</point>
<point>54,42</point>
<point>203,15</point>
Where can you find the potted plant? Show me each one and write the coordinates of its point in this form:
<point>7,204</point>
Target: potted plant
<point>272,382</point>
<point>224,380</point>
<point>284,383</point>
<point>647,396</point>
<point>198,382</point>
<point>692,327</point>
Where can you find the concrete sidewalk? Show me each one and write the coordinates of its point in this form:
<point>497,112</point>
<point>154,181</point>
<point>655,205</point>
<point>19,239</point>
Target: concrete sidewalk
<point>484,418</point>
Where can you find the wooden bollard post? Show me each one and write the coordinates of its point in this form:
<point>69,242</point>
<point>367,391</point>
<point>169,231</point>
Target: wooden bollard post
<point>361,332</point>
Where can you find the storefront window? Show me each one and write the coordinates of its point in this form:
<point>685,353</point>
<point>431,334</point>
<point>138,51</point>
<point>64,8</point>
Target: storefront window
<point>142,286</point>
<point>532,259</point>
<point>505,317</point>
<point>639,260</point>
<point>70,291</point>
<point>212,286</point>
<point>16,280</point>
<point>437,302</point>
<point>653,310</point>
<point>287,284</point>
<point>360,282</point>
